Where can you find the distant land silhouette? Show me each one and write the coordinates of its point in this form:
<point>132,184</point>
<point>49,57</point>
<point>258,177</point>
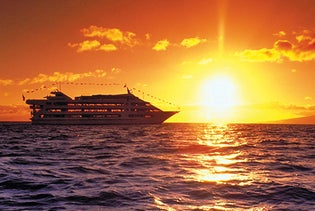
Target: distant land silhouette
<point>300,120</point>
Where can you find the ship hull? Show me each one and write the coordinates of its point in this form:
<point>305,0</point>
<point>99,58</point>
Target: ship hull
<point>103,121</point>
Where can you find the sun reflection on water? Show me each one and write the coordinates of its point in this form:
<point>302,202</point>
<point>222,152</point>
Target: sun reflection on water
<point>161,205</point>
<point>214,172</point>
<point>221,164</point>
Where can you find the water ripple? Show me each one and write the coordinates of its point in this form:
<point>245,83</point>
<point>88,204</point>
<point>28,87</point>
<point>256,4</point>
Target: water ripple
<point>157,167</point>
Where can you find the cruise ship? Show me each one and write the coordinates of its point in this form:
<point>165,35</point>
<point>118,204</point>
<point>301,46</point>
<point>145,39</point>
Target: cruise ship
<point>60,109</point>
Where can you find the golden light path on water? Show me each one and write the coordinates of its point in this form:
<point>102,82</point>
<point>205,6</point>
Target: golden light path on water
<point>221,166</point>
<point>215,167</point>
<point>218,163</point>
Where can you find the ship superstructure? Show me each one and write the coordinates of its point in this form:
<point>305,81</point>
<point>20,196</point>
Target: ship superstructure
<point>60,109</point>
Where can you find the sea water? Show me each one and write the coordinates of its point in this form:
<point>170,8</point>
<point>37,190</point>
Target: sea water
<point>157,167</point>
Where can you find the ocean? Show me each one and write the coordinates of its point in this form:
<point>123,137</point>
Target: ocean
<point>170,167</point>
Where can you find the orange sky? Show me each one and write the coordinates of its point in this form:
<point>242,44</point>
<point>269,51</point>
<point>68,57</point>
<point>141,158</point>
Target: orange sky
<point>236,61</point>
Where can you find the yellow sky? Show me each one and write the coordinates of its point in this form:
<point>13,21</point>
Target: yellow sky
<point>233,60</point>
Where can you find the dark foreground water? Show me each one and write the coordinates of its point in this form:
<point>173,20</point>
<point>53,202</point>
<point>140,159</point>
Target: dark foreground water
<point>157,167</point>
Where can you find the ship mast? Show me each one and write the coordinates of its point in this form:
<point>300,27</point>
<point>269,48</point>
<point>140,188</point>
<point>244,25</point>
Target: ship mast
<point>59,86</point>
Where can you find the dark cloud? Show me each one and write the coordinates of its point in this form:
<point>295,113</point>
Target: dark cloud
<point>283,45</point>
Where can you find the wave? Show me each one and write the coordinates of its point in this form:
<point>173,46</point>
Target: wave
<point>163,167</point>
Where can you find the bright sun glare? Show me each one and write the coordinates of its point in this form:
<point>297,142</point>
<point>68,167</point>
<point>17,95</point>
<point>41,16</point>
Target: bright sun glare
<point>218,96</point>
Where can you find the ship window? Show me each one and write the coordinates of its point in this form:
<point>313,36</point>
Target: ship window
<point>116,110</point>
<point>99,116</point>
<point>55,110</point>
<point>136,115</point>
<point>74,116</point>
<point>74,110</point>
<point>113,115</point>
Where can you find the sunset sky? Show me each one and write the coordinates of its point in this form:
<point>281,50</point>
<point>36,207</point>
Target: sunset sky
<point>234,61</point>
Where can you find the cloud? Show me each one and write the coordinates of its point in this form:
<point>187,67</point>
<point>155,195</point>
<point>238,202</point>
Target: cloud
<point>92,45</point>
<point>115,70</point>
<point>12,109</point>
<point>95,31</point>
<point>283,45</point>
<point>14,112</point>
<point>86,45</point>
<point>308,98</point>
<point>111,34</point>
<point>107,47</point>
<point>63,77</point>
<point>98,38</point>
<point>292,108</point>
<point>147,36</point>
<point>296,108</point>
<point>191,42</point>
<point>24,81</point>
<point>6,82</point>
<point>113,39</point>
<point>280,34</point>
<point>301,49</point>
<point>161,45</point>
<point>306,45</point>
<point>105,39</point>
<point>306,36</point>
<point>261,55</point>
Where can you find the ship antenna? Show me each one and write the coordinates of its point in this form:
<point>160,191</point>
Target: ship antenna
<point>128,90</point>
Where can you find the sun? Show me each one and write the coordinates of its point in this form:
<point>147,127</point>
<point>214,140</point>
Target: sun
<point>219,92</point>
<point>218,95</point>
